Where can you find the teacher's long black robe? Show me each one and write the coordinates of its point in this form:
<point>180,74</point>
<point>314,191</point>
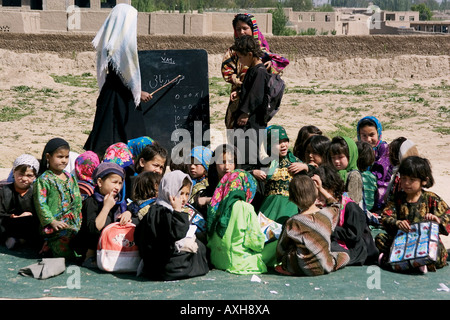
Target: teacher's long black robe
<point>117,119</point>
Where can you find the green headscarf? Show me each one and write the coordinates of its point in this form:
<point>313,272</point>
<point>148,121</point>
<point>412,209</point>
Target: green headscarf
<point>281,135</point>
<point>352,158</point>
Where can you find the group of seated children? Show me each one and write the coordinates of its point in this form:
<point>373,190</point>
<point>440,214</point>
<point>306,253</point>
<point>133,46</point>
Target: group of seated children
<point>308,212</point>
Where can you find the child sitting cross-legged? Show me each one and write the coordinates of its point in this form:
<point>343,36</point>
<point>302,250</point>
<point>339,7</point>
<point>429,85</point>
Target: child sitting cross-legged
<point>304,247</point>
<point>343,154</point>
<point>165,238</point>
<point>18,220</point>
<point>234,233</point>
<point>105,206</point>
<point>414,204</point>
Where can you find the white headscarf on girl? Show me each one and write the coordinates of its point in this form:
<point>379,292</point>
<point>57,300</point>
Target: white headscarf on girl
<point>407,149</point>
<point>27,159</point>
<point>116,44</point>
<point>170,185</point>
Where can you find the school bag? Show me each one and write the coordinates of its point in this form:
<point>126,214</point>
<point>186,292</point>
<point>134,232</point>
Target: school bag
<point>116,249</point>
<point>274,94</point>
<point>416,248</point>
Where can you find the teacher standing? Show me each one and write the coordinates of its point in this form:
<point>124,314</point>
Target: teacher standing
<point>118,117</point>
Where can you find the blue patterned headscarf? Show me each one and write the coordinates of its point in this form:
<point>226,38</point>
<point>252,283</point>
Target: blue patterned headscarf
<point>203,155</point>
<point>137,145</point>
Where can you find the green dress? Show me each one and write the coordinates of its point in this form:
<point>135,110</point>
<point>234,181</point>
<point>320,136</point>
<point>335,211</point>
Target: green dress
<point>277,205</point>
<point>57,199</point>
<point>234,233</point>
<point>239,251</point>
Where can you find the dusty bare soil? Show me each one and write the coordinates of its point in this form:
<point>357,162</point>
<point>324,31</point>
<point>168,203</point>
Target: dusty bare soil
<point>48,88</point>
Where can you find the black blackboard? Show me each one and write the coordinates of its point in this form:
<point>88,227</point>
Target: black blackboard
<point>180,106</point>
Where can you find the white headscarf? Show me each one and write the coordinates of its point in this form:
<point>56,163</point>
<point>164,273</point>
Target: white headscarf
<point>404,148</point>
<point>170,185</point>
<point>116,43</point>
<point>27,159</point>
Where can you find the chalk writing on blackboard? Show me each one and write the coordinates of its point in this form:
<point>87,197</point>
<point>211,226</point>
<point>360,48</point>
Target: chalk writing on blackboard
<point>167,60</point>
<point>159,81</point>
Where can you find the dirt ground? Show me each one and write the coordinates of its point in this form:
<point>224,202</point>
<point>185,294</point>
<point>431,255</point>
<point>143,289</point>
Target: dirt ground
<point>45,95</point>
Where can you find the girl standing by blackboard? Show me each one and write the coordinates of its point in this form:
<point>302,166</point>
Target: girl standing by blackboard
<point>118,117</point>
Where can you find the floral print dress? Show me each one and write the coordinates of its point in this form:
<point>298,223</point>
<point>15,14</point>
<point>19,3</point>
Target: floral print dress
<point>57,199</point>
<point>400,209</point>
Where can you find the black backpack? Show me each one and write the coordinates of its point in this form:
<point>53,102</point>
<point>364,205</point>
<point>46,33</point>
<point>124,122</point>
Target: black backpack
<point>274,93</point>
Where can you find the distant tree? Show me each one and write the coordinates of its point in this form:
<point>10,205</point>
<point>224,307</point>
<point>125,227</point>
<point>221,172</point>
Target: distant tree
<point>266,3</point>
<point>244,4</point>
<point>351,3</point>
<point>300,5</point>
<point>200,6</point>
<point>424,12</point>
<point>445,5</point>
<point>143,5</point>
<point>403,5</point>
<point>432,4</point>
<point>279,21</point>
<point>181,6</point>
<point>325,8</point>
<point>217,4</point>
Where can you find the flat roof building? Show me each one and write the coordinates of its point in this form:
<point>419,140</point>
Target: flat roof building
<point>350,21</point>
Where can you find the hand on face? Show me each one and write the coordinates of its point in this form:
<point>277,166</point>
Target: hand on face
<point>178,202</point>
